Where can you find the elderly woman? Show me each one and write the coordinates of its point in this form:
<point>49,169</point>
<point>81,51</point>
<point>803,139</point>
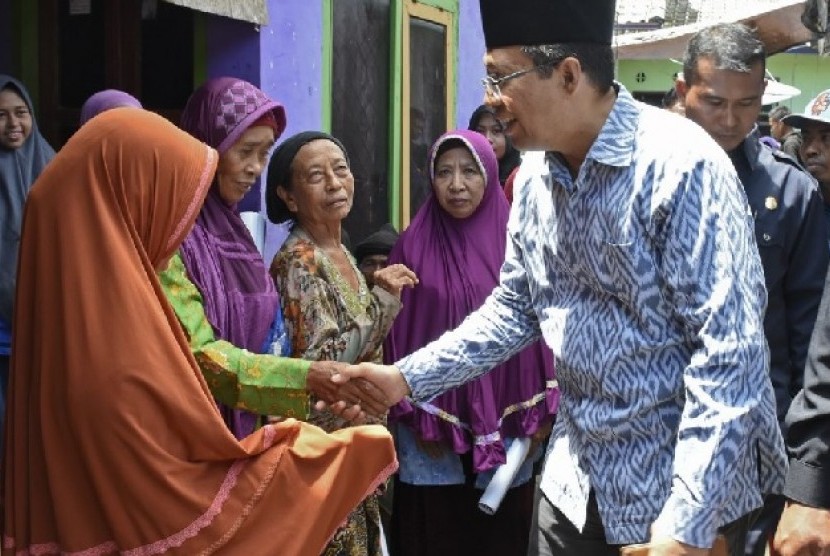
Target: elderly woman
<point>449,448</point>
<point>24,154</point>
<point>217,282</point>
<point>114,443</point>
<point>330,312</point>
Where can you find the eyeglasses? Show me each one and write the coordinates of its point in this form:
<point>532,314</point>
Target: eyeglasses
<point>492,85</point>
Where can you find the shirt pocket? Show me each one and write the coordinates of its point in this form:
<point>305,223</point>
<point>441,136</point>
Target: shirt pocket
<point>627,272</point>
<point>770,240</point>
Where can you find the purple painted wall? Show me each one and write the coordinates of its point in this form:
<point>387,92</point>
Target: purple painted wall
<point>291,59</point>
<point>469,68</point>
<point>233,50</point>
<point>285,58</point>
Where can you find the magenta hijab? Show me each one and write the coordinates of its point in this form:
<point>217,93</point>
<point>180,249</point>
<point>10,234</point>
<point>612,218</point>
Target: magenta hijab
<point>221,258</point>
<point>106,100</point>
<point>457,262</point>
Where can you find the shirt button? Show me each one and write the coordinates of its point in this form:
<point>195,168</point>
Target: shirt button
<point>767,237</point>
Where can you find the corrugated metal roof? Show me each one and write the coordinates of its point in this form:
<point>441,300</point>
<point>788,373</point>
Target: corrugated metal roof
<point>254,11</point>
<point>778,23</point>
<point>684,12</point>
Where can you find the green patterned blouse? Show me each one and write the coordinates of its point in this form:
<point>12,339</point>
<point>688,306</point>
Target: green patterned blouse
<point>264,384</point>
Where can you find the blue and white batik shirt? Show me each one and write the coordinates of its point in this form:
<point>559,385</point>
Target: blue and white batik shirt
<point>643,276</point>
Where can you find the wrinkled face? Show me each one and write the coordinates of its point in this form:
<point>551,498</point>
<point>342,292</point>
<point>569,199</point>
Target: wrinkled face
<point>523,99</point>
<point>725,103</point>
<point>243,163</point>
<point>459,183</point>
<point>15,119</point>
<point>371,263</point>
<point>494,132</point>
<point>322,185</point>
<point>815,150</point>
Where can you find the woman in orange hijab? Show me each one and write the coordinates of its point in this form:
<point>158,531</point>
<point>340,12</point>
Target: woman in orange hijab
<point>114,443</point>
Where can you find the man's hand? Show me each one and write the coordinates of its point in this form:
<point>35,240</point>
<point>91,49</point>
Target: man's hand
<point>387,378</point>
<point>671,547</point>
<point>351,400</point>
<point>802,531</point>
<point>394,278</point>
<point>663,545</point>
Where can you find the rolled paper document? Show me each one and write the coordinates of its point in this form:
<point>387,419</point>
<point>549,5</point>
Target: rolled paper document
<point>503,477</point>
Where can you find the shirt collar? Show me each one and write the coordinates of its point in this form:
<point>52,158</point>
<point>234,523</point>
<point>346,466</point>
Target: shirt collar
<point>752,148</point>
<point>614,146</point>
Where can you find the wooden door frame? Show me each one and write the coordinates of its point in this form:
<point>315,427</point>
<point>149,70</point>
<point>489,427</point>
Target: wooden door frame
<point>444,18</point>
<point>121,60</point>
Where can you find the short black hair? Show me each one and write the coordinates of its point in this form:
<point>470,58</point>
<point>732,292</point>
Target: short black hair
<point>731,46</point>
<point>670,98</point>
<point>597,60</point>
<point>779,113</point>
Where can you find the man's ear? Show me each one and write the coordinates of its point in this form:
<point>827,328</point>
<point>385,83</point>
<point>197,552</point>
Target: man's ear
<point>287,198</point>
<point>681,87</point>
<point>571,71</point>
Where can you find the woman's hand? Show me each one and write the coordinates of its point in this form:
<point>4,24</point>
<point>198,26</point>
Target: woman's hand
<point>359,393</point>
<point>394,278</point>
<point>538,438</point>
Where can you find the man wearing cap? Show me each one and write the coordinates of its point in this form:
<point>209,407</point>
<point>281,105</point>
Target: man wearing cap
<point>804,528</point>
<point>636,261</point>
<point>815,144</point>
<point>372,253</point>
<point>787,137</point>
<point>723,83</point>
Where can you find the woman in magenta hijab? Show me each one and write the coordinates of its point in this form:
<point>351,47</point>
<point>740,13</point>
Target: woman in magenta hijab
<point>217,282</point>
<point>450,447</point>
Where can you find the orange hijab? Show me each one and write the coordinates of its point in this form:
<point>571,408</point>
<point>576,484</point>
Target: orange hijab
<point>113,441</point>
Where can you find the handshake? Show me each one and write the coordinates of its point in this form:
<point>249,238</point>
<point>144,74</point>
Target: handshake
<point>355,391</point>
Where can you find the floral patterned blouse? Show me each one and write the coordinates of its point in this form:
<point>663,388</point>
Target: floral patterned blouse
<point>264,384</point>
<point>327,320</point>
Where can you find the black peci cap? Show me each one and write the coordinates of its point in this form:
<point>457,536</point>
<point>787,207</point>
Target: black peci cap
<point>537,22</point>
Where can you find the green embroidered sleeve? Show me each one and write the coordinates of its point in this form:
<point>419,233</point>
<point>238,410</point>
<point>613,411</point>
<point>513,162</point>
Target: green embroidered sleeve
<point>264,384</point>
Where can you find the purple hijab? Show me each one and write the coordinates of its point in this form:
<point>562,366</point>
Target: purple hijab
<point>457,263</point>
<point>220,256</point>
<point>106,100</point>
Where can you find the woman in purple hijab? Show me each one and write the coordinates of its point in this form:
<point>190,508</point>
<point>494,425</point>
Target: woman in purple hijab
<point>450,447</point>
<point>217,283</point>
<point>106,100</point>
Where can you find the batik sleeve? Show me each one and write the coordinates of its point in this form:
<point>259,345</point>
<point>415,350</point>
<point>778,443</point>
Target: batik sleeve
<point>264,384</point>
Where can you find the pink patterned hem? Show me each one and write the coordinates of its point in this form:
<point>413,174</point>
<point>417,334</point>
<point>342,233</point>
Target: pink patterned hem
<point>268,435</point>
<point>158,547</point>
<point>373,486</point>
<point>196,204</point>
